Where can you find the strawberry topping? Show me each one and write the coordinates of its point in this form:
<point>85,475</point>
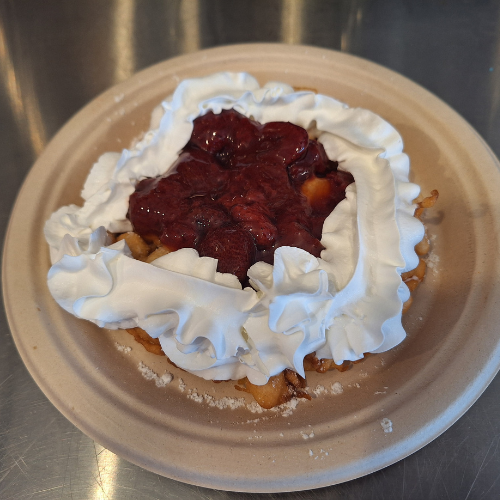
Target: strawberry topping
<point>232,246</point>
<point>239,190</point>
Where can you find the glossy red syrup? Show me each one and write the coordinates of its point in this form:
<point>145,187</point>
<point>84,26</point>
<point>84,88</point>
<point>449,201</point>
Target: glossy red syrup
<point>239,190</point>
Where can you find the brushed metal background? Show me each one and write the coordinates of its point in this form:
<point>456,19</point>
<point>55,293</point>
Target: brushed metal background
<point>57,55</point>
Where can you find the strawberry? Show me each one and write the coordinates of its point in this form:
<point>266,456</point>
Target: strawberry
<point>314,161</point>
<point>177,235</point>
<point>151,204</point>
<point>296,235</point>
<point>282,143</point>
<point>200,174</point>
<point>206,214</point>
<point>255,218</point>
<point>223,134</point>
<point>232,246</point>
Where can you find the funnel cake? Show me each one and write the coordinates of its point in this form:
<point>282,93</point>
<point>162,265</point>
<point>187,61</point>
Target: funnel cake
<point>338,297</point>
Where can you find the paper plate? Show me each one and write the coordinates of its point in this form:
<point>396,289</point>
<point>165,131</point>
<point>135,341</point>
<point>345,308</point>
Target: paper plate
<point>417,390</point>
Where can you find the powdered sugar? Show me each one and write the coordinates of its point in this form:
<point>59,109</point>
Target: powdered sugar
<point>182,385</point>
<point>287,409</point>
<point>123,348</point>
<point>255,407</point>
<point>226,402</point>
<point>222,403</point>
<point>149,374</point>
<point>235,403</point>
<point>321,454</point>
<point>307,435</point>
<point>386,425</point>
<point>337,388</point>
<point>319,389</point>
<point>432,261</point>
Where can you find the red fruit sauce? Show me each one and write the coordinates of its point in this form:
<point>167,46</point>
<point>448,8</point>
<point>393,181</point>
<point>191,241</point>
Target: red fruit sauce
<point>239,190</point>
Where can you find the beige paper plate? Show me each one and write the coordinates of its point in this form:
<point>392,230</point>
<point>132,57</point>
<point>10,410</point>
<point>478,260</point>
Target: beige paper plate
<point>422,387</point>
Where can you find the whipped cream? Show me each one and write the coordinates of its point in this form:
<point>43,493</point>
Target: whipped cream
<point>341,305</point>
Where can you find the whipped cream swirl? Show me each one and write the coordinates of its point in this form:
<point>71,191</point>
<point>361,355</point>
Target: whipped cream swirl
<point>341,305</point>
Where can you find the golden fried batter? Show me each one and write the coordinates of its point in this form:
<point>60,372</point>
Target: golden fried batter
<point>150,344</point>
<point>279,389</point>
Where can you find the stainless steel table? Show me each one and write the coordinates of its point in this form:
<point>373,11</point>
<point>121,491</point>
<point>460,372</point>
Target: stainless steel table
<point>56,55</point>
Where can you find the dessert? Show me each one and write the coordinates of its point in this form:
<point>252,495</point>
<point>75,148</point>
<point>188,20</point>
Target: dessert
<point>334,301</point>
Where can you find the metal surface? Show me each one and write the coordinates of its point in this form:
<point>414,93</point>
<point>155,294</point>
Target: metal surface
<point>56,56</point>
